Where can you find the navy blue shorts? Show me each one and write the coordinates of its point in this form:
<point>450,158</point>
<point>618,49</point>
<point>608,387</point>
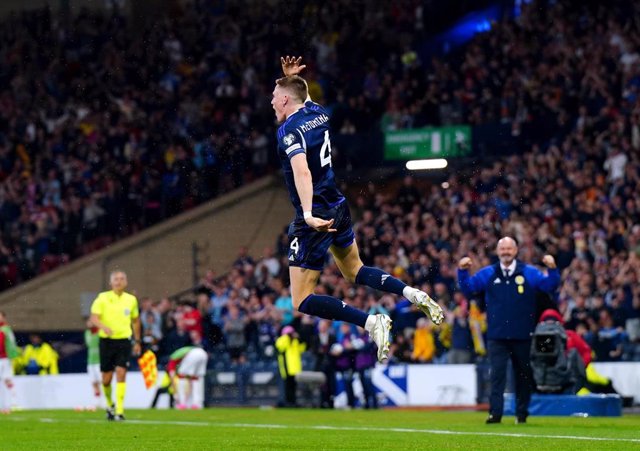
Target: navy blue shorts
<point>308,247</point>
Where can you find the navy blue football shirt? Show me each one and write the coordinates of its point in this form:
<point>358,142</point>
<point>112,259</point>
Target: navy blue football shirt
<point>307,131</point>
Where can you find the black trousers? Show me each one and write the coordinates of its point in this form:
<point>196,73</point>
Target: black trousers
<point>347,378</point>
<point>160,391</point>
<point>368,390</point>
<point>290,387</point>
<point>500,351</point>
<point>328,389</point>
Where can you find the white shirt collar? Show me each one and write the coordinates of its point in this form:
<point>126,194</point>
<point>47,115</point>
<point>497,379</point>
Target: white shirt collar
<point>511,267</point>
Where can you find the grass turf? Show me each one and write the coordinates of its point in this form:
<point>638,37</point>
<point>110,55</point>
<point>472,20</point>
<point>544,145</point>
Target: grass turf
<point>258,429</point>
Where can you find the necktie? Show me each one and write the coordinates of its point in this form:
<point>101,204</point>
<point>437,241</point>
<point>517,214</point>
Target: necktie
<point>506,273</point>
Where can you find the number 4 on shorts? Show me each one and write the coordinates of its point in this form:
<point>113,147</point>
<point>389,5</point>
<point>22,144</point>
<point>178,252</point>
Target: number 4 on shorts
<point>294,246</point>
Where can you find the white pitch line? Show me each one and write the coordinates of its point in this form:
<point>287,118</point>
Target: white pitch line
<point>342,428</point>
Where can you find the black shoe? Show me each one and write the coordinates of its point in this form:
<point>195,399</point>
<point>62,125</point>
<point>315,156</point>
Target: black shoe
<point>110,414</point>
<point>521,420</point>
<point>119,418</point>
<point>493,419</point>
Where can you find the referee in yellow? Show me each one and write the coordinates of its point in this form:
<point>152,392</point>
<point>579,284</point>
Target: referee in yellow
<point>115,314</point>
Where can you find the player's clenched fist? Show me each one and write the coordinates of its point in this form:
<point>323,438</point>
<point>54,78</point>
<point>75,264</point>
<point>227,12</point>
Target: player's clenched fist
<point>465,263</point>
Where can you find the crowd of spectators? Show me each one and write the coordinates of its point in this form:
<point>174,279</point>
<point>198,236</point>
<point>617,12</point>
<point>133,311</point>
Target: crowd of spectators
<point>573,194</point>
<point>109,123</point>
<point>137,125</point>
<point>418,232</point>
<point>107,126</point>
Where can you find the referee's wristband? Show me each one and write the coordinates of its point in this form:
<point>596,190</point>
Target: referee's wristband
<point>307,214</point>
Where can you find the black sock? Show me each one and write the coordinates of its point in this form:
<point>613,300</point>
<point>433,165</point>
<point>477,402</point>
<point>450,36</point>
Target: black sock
<point>380,280</point>
<point>328,307</point>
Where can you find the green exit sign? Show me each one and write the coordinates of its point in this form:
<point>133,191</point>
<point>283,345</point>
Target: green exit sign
<point>431,142</point>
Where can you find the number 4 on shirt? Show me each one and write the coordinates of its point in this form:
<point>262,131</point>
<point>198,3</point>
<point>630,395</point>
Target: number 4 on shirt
<point>325,152</point>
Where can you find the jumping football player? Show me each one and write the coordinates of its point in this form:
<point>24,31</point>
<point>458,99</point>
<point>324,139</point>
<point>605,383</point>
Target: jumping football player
<point>323,220</point>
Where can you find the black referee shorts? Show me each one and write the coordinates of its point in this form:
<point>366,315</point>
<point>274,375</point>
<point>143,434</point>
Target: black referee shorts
<point>114,353</point>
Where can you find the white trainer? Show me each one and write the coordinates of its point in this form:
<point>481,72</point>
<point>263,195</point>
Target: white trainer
<point>379,333</point>
<point>427,306</point>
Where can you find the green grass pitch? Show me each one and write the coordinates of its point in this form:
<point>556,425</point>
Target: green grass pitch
<point>298,429</point>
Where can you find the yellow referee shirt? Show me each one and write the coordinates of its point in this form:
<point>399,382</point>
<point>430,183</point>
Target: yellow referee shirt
<point>116,313</point>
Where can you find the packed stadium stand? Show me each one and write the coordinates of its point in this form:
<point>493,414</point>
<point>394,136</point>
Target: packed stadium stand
<point>111,131</point>
<point>573,193</point>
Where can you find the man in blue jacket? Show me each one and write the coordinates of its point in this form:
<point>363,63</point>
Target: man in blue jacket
<point>509,288</point>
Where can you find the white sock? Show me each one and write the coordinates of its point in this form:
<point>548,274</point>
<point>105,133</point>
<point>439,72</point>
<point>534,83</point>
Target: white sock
<point>183,391</point>
<point>371,321</point>
<point>5,397</point>
<point>197,393</point>
<point>13,398</point>
<point>408,291</point>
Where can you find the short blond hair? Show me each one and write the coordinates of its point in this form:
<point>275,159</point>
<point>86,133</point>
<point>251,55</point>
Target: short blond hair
<point>116,271</point>
<point>297,87</point>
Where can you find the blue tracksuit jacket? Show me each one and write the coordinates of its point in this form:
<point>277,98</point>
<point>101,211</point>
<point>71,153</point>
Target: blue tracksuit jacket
<point>511,302</point>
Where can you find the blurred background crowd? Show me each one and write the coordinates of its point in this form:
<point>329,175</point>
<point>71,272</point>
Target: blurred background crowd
<point>103,123</point>
<point>574,193</point>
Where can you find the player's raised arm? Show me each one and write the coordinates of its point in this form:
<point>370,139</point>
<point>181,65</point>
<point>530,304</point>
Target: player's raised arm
<point>291,66</point>
<point>304,186</point>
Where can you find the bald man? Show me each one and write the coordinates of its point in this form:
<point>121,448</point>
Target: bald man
<point>509,288</point>
<point>115,314</point>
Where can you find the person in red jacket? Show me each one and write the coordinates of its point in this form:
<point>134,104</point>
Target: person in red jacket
<point>192,321</point>
<point>595,382</point>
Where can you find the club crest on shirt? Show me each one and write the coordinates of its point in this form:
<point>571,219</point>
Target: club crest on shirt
<point>288,140</point>
<point>519,280</point>
<point>127,312</point>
